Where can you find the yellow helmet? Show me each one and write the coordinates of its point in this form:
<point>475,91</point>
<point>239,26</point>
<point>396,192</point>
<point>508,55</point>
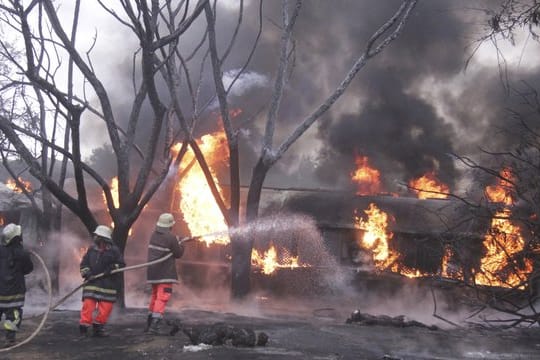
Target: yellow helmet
<point>104,232</point>
<point>166,220</point>
<point>10,231</point>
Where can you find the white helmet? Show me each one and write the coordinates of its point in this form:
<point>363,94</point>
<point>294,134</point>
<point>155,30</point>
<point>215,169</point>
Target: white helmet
<point>104,232</point>
<point>166,220</point>
<point>10,231</point>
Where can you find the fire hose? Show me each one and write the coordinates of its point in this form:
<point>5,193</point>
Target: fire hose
<point>64,298</point>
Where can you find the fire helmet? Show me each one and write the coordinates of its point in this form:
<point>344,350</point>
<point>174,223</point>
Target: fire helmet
<point>10,231</point>
<point>166,220</point>
<point>104,232</point>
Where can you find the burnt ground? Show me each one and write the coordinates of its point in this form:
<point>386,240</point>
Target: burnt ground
<point>306,330</point>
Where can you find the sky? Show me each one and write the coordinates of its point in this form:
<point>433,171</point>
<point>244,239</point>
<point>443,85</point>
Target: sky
<point>407,110</point>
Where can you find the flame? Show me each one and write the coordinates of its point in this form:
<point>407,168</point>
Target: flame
<point>366,177</point>
<point>503,240</point>
<point>376,236</point>
<point>115,197</point>
<point>2,220</point>
<point>503,190</point>
<point>269,261</point>
<point>428,186</point>
<point>448,269</point>
<point>197,204</point>
<point>12,185</point>
<point>114,192</point>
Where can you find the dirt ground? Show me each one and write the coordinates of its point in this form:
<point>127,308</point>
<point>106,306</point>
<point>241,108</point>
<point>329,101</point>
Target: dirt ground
<point>303,331</point>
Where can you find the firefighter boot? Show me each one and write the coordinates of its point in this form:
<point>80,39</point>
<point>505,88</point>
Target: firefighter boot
<point>83,330</point>
<point>148,322</point>
<point>10,337</point>
<point>155,326</point>
<point>99,330</point>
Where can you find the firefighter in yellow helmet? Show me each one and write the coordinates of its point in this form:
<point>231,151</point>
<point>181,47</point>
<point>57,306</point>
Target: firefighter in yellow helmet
<point>15,263</point>
<point>99,294</point>
<point>163,274</point>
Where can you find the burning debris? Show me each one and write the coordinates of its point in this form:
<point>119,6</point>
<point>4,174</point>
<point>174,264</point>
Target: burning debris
<point>19,186</point>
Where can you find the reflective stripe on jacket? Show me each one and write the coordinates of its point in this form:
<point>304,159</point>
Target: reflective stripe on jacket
<point>163,242</point>
<point>15,263</point>
<point>97,261</point>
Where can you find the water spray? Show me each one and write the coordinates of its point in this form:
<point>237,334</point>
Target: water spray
<point>197,237</point>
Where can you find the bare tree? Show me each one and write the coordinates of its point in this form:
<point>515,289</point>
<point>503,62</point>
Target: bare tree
<point>270,153</point>
<point>515,166</point>
<point>503,24</point>
<point>46,44</point>
<point>167,81</point>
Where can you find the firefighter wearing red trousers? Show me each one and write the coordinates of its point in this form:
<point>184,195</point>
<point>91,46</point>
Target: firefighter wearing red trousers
<point>15,263</point>
<point>99,294</point>
<point>162,275</point>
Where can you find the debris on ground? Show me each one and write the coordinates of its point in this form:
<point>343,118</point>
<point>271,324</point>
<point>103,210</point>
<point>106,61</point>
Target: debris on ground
<point>385,320</point>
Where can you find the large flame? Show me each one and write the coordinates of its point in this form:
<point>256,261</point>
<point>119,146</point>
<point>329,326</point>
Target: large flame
<point>200,211</point>
<point>503,241</point>
<point>376,236</point>
<point>12,184</point>
<point>367,178</point>
<point>428,186</point>
<point>197,203</point>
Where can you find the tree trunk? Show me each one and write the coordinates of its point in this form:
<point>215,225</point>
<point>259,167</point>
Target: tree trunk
<point>120,236</point>
<point>242,245</point>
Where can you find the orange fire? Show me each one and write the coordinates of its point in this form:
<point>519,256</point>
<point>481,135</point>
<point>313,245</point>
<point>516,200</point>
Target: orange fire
<point>11,184</point>
<point>448,269</point>
<point>197,204</point>
<point>376,236</point>
<point>502,191</point>
<point>366,177</point>
<point>200,211</point>
<point>428,186</point>
<point>114,192</point>
<point>269,261</point>
<point>116,202</point>
<point>503,241</point>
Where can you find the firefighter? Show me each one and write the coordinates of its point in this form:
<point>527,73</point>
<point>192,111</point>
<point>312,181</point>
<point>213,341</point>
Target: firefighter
<point>101,293</point>
<point>15,263</point>
<point>162,275</point>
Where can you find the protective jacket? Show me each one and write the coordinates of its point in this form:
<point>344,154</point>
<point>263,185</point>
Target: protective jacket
<point>162,242</point>
<point>99,260</point>
<point>15,263</point>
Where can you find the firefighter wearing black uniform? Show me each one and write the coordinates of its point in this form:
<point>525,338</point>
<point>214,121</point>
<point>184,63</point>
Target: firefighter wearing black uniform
<point>15,263</point>
<point>99,294</point>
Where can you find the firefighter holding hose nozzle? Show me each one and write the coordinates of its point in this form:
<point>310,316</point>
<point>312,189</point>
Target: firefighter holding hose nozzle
<point>100,293</point>
<point>163,275</point>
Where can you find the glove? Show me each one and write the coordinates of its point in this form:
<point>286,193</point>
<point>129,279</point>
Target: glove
<point>87,276</point>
